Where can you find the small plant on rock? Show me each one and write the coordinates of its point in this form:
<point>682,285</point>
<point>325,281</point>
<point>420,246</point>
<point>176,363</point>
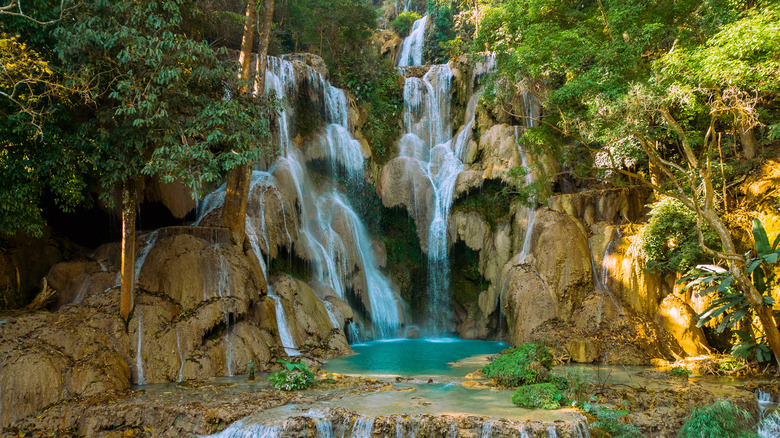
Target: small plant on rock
<point>680,372</point>
<point>522,365</point>
<point>540,395</point>
<point>293,377</point>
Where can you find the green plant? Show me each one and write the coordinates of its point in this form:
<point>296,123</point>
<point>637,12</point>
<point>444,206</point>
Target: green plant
<point>540,395</point>
<point>293,377</point>
<point>523,365</point>
<point>402,24</point>
<point>733,304</point>
<point>609,423</point>
<point>578,381</point>
<point>669,240</point>
<point>721,419</point>
<point>680,372</point>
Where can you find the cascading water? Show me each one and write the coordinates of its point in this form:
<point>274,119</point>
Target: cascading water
<point>530,211</point>
<point>411,49</point>
<point>428,140</point>
<point>327,251</point>
<point>139,359</point>
<point>181,357</point>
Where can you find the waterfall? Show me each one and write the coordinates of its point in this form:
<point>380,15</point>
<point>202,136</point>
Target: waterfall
<point>321,212</point>
<point>411,49</point>
<point>486,430</point>
<point>288,343</point>
<point>530,211</point>
<point>139,360</point>
<point>769,427</point>
<point>428,139</point>
<point>362,427</point>
<point>181,357</point>
<point>151,239</point>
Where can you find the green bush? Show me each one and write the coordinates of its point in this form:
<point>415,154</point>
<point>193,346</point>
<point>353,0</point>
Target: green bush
<point>402,24</point>
<point>523,365</point>
<point>293,377</point>
<point>721,419</point>
<point>540,395</point>
<point>669,240</point>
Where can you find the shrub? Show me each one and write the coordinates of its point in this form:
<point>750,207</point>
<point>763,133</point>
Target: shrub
<point>669,240</point>
<point>402,24</point>
<point>718,419</point>
<point>293,377</point>
<point>523,365</point>
<point>540,395</point>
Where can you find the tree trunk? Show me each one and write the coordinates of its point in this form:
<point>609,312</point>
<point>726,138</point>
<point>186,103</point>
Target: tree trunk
<point>240,178</point>
<point>749,143</point>
<point>127,289</point>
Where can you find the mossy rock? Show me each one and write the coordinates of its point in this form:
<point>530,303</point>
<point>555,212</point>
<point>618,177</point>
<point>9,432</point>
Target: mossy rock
<point>526,364</point>
<point>540,395</point>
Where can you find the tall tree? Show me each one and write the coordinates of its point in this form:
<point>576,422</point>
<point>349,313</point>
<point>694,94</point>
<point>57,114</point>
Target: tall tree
<point>239,178</point>
<point>162,106</point>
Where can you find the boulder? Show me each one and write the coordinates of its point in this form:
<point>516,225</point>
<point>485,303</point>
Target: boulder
<point>676,317</point>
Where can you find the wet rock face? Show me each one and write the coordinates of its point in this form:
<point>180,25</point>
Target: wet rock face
<point>308,318</point>
<point>554,279</point>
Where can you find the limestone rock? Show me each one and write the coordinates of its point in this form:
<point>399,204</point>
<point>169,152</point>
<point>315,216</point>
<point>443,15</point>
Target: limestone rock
<point>190,270</point>
<point>307,316</point>
<point>311,60</point>
<point>404,183</point>
<point>73,280</point>
<point>389,43</point>
<point>584,351</point>
<point>680,320</point>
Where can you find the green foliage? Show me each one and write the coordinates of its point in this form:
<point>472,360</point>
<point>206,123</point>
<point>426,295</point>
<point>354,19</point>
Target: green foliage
<point>731,303</point>
<point>721,419</point>
<point>680,372</point>
<point>441,31</point>
<point>493,201</point>
<point>577,383</point>
<point>539,395</point>
<point>522,365</point>
<point>669,240</point>
<point>375,82</point>
<point>742,54</point>
<point>402,24</point>
<point>293,377</point>
<point>610,423</point>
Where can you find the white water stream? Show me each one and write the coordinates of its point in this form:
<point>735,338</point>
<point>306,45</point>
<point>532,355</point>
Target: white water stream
<point>411,49</point>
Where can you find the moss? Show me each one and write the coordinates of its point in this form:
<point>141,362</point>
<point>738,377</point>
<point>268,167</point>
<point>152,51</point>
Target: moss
<point>523,365</point>
<point>493,202</point>
<point>540,395</point>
